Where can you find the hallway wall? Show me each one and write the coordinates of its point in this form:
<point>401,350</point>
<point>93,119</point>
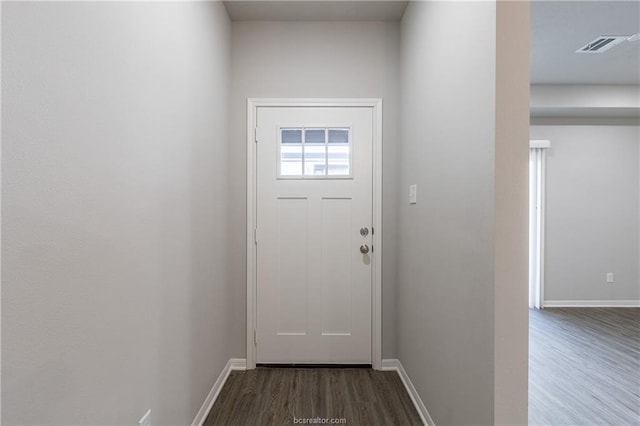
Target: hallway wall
<point>114,177</point>
<point>446,270</point>
<point>462,249</point>
<point>124,201</point>
<point>314,60</point>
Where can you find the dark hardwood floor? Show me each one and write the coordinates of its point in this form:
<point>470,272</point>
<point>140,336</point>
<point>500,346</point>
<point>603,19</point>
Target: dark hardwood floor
<point>584,366</point>
<point>584,369</point>
<point>277,396</point>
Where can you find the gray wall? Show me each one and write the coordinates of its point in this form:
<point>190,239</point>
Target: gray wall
<point>462,250</point>
<point>114,139</point>
<point>592,212</point>
<point>314,59</point>
<point>445,251</point>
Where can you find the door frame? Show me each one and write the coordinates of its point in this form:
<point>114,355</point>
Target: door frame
<point>376,261</point>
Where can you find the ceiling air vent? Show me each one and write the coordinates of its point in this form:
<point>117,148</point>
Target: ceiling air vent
<point>602,44</point>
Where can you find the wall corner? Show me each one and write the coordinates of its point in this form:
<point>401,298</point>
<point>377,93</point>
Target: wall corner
<point>511,209</point>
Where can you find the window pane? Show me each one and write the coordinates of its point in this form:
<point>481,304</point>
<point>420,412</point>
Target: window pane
<point>314,136</point>
<point>291,160</point>
<point>339,160</point>
<point>291,136</point>
<point>338,136</point>
<point>314,160</point>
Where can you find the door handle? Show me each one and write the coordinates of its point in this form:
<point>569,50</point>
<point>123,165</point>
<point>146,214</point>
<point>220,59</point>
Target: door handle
<point>364,249</point>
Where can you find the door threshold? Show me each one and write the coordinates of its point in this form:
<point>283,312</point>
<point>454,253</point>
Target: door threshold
<point>298,365</point>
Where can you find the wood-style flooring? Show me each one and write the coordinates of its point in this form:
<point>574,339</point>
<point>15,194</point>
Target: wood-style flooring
<point>584,366</point>
<point>282,396</point>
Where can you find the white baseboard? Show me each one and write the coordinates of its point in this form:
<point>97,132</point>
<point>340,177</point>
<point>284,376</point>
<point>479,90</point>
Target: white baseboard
<point>591,304</point>
<point>396,365</point>
<point>232,364</point>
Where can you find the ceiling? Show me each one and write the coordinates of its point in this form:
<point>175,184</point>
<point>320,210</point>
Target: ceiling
<point>558,29</point>
<point>316,10</point>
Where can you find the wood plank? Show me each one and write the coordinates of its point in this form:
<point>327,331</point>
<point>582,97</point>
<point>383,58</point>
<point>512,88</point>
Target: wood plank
<point>584,366</point>
<point>274,396</point>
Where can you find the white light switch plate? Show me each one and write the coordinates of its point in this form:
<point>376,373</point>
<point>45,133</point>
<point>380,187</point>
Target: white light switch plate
<point>413,194</point>
<point>609,277</point>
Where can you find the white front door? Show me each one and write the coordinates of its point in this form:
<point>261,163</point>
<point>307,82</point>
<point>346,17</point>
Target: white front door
<point>314,227</point>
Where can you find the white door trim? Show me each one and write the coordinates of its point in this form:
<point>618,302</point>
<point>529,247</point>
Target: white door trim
<point>376,292</point>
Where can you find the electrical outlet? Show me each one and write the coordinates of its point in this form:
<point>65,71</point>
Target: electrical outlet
<point>146,419</point>
<point>609,277</point>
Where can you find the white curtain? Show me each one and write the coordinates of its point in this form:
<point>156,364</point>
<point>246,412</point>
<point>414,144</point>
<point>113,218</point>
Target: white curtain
<point>536,227</point>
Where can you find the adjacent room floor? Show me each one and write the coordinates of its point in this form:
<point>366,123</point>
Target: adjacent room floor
<point>584,366</point>
<point>283,396</point>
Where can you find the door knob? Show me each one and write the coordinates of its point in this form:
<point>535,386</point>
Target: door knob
<point>364,231</point>
<point>364,249</point>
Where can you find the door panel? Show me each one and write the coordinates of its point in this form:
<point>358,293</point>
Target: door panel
<point>337,280</point>
<point>291,256</point>
<point>314,193</point>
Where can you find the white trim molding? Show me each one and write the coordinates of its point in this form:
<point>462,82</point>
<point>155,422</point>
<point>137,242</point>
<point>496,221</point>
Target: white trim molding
<point>592,303</point>
<point>232,364</point>
<point>539,144</point>
<point>396,365</point>
<point>581,100</point>
<point>376,294</point>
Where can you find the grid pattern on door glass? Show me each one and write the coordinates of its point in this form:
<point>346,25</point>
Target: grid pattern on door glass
<point>314,152</point>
